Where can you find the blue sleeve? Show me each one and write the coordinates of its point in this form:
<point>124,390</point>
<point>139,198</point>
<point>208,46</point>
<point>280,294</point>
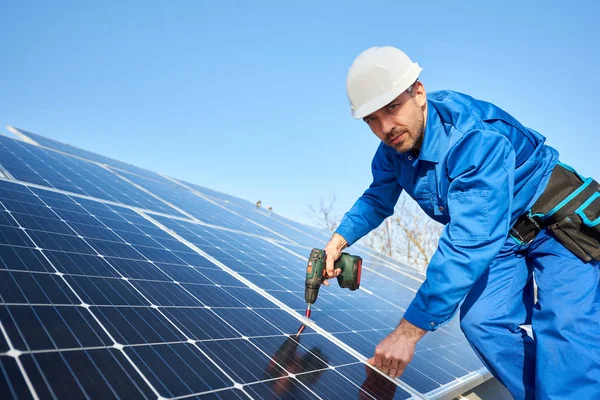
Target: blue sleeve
<point>377,202</point>
<point>480,169</point>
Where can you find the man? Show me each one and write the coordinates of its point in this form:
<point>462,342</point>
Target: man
<point>474,168</point>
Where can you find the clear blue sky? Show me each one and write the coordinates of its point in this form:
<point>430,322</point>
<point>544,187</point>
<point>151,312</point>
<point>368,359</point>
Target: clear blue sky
<point>249,97</point>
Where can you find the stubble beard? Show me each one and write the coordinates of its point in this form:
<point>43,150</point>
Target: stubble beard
<point>413,138</point>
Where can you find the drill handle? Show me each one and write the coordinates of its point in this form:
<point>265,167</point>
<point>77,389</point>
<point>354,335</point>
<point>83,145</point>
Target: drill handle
<point>351,267</point>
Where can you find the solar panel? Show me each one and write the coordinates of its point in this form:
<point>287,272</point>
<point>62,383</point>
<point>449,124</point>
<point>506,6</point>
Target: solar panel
<point>33,164</point>
<point>88,155</point>
<point>107,300</point>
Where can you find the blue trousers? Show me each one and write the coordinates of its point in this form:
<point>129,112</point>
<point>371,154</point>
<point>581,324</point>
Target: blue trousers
<point>563,359</point>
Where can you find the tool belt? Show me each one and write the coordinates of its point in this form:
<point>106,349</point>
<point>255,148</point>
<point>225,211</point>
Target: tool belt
<point>570,209</point>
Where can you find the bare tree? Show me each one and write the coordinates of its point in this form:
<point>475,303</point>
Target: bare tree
<point>409,236</point>
<point>323,215</point>
<point>420,234</point>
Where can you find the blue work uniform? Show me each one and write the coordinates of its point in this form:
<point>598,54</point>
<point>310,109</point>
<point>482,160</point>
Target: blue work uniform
<point>477,171</point>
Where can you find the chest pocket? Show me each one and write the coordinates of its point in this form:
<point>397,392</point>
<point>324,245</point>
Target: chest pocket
<point>422,186</point>
<point>425,192</point>
<point>437,207</point>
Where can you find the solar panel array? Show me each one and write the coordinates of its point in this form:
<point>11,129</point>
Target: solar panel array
<point>118,282</point>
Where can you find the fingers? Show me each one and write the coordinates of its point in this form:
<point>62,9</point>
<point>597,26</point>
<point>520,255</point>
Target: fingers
<point>394,366</point>
<point>336,272</point>
<point>329,264</point>
<point>378,358</point>
<point>371,361</point>
<point>401,368</point>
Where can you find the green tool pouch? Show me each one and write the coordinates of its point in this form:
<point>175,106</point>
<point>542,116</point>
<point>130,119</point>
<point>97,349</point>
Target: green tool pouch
<point>570,209</point>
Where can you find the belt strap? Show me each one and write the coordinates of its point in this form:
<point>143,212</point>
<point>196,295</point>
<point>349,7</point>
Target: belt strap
<point>565,191</point>
<point>525,229</point>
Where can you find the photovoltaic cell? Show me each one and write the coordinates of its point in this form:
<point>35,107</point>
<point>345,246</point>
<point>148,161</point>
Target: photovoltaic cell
<point>227,394</point>
<point>12,383</point>
<point>101,373</point>
<point>51,327</point>
<point>242,360</point>
<point>200,323</point>
<point>283,388</point>
<point>137,325</point>
<point>178,369</point>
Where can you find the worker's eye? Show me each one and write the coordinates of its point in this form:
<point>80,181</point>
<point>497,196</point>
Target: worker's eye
<point>369,121</point>
<point>392,107</point>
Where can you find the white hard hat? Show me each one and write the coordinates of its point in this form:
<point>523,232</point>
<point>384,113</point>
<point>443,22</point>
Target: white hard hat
<point>377,76</point>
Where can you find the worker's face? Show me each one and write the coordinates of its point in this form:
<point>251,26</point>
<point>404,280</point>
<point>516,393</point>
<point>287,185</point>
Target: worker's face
<point>401,123</point>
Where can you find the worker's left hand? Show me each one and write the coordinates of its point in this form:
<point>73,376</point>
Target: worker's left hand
<point>394,352</point>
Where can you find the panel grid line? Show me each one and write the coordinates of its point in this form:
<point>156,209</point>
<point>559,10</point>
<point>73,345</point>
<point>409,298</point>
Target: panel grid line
<point>15,354</point>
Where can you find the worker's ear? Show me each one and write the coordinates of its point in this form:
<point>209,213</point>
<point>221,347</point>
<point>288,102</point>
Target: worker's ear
<point>419,93</point>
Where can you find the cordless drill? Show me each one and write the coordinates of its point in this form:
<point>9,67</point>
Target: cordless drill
<point>350,265</point>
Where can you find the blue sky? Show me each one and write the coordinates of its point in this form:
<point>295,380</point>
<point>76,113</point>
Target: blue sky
<point>249,97</point>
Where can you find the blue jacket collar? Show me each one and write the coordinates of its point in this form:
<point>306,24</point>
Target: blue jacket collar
<point>430,147</point>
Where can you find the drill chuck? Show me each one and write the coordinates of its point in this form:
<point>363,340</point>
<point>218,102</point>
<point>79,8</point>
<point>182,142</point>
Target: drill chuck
<point>311,292</point>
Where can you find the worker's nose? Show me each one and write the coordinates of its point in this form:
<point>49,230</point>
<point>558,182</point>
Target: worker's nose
<point>387,126</point>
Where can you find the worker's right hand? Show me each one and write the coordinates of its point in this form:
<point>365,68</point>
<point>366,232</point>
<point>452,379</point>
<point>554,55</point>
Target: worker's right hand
<point>333,251</point>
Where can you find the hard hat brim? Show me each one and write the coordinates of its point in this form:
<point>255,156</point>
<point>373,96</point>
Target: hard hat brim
<point>386,98</point>
<point>377,103</point>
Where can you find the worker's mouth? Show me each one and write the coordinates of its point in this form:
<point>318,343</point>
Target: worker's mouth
<point>397,139</point>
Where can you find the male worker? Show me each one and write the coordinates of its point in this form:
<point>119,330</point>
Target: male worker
<point>495,185</point>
